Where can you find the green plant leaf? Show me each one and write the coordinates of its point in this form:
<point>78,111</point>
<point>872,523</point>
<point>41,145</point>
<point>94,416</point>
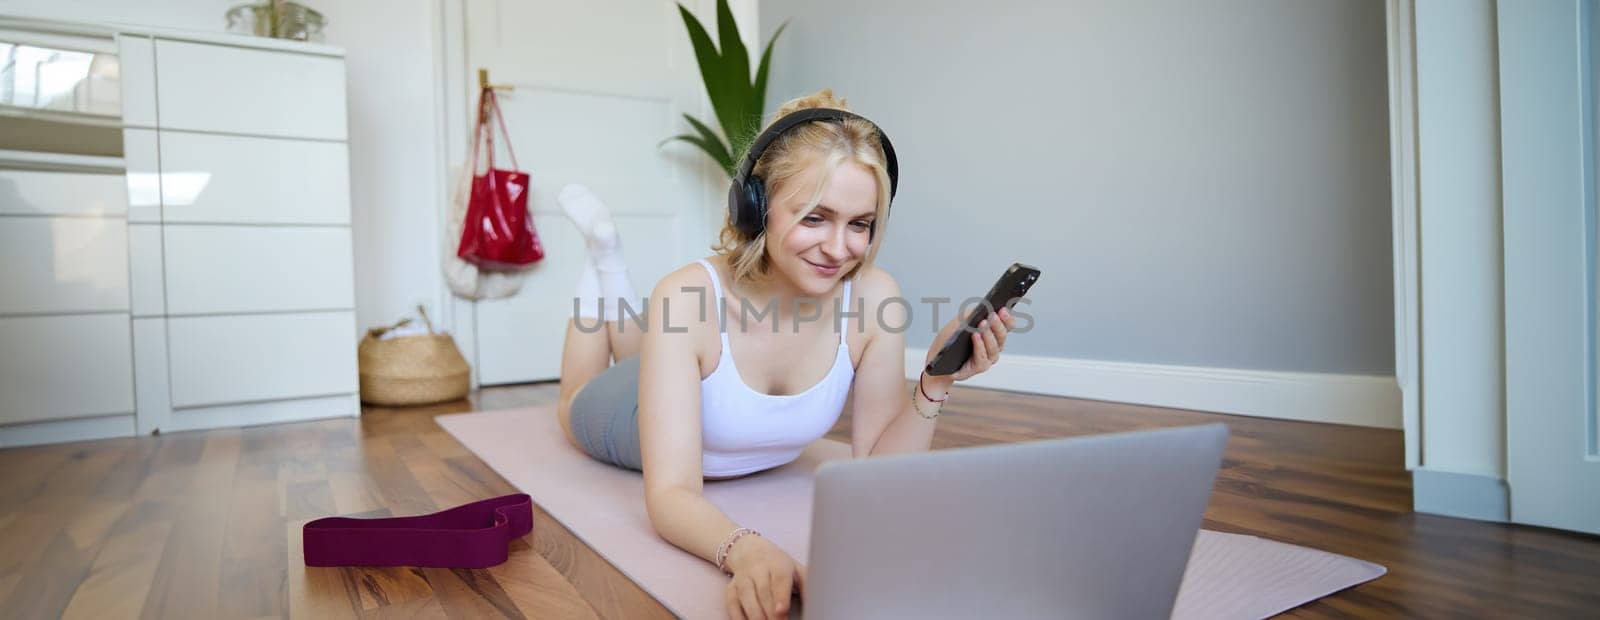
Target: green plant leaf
<point>722,155</point>
<point>737,101</point>
<point>736,64</point>
<point>712,148</point>
<point>720,87</point>
<point>735,58</point>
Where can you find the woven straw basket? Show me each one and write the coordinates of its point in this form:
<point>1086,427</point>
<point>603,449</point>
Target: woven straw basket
<point>411,370</point>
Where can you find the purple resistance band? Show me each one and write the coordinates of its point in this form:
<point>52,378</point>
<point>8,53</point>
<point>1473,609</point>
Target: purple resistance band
<point>473,535</point>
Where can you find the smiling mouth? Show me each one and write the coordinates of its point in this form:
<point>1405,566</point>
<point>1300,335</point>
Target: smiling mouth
<point>828,268</point>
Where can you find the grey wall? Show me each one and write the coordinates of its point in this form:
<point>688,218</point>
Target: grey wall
<point>1201,183</point>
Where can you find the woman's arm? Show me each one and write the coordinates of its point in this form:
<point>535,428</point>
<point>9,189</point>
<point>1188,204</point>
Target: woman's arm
<point>881,418</point>
<point>884,414</point>
<point>669,416</point>
<point>670,445</point>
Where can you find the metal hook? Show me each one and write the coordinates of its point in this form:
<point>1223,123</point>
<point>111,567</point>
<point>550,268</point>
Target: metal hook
<point>483,82</point>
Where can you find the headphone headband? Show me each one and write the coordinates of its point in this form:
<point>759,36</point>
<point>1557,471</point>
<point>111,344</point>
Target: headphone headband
<point>747,196</point>
<point>808,115</point>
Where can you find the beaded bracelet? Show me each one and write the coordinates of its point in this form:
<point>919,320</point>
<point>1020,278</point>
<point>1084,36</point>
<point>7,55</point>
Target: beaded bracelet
<point>917,409</point>
<point>936,401</point>
<point>727,545</point>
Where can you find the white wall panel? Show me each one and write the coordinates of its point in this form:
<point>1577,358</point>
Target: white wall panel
<point>227,89</point>
<point>37,192</point>
<point>218,269</point>
<point>63,264</point>
<point>61,367</point>
<point>137,57</point>
<point>148,293</point>
<point>234,359</point>
<point>234,179</point>
<point>152,391</point>
<point>141,154</point>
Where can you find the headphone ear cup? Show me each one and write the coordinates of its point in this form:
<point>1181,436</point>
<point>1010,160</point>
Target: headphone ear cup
<point>753,210</point>
<point>736,205</point>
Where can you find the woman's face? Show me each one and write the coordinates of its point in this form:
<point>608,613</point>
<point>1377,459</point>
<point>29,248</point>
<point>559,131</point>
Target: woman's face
<point>833,238</point>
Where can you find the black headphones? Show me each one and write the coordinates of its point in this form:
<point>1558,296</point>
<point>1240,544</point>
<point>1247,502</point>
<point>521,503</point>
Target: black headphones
<point>747,197</point>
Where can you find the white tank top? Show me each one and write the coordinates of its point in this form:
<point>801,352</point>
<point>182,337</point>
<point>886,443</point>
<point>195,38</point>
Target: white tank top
<point>745,431</point>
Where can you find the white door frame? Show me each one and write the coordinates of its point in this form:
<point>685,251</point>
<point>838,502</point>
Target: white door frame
<point>1403,193</point>
<point>1549,270</point>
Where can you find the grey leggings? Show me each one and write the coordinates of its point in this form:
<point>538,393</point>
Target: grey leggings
<point>605,415</point>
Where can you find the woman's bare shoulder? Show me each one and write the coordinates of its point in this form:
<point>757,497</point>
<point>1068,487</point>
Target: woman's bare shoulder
<point>688,280</point>
<point>685,298</point>
<point>874,285</point>
<point>872,290</point>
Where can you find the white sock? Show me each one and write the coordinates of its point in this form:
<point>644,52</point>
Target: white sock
<point>605,247</point>
<point>615,286</point>
<point>589,291</point>
<point>617,289</point>
<point>605,252</point>
<point>583,208</point>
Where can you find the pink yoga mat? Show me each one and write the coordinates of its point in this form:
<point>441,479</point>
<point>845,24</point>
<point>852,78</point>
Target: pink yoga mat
<point>1229,575</point>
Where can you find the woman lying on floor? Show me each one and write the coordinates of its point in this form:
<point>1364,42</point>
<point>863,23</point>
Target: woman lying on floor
<point>677,407</point>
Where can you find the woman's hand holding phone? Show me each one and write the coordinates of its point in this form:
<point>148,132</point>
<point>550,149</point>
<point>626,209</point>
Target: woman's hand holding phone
<point>987,342</point>
<point>984,330</point>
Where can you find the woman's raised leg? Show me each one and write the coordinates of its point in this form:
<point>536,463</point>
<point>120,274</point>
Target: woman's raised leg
<point>625,334</point>
<point>604,335</point>
<point>585,353</point>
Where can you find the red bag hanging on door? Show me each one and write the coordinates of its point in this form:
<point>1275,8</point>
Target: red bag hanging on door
<point>498,233</point>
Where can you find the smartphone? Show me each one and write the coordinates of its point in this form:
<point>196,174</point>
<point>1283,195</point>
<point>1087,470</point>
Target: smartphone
<point>1011,286</point>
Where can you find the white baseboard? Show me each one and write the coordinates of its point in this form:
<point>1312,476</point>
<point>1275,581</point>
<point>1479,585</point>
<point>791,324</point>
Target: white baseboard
<point>1360,400</point>
<point>269,412</point>
<point>1465,496</point>
<point>59,431</point>
<point>196,418</point>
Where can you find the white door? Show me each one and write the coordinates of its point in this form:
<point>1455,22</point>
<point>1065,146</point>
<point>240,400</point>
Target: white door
<point>1552,426</point>
<point>598,85</point>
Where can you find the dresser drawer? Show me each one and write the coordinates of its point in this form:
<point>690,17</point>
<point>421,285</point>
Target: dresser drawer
<point>63,264</point>
<point>235,179</point>
<point>231,269</point>
<point>207,87</point>
<point>30,192</point>
<point>63,367</point>
<point>236,359</point>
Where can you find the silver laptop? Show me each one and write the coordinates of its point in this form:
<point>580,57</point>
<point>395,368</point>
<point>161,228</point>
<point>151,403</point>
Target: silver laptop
<point>1086,527</point>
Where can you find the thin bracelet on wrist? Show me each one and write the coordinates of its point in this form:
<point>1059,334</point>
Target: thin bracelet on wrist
<point>727,546</point>
<point>938,404</point>
<point>925,392</point>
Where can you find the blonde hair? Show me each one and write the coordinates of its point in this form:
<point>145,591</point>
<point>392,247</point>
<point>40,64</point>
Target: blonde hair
<point>798,149</point>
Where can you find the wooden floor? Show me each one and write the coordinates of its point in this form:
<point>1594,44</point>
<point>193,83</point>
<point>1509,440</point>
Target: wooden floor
<point>206,524</point>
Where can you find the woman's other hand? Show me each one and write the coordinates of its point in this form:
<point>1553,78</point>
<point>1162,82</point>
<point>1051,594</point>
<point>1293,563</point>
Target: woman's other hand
<point>763,579</point>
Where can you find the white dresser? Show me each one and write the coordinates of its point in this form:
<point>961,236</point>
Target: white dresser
<point>203,279</point>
